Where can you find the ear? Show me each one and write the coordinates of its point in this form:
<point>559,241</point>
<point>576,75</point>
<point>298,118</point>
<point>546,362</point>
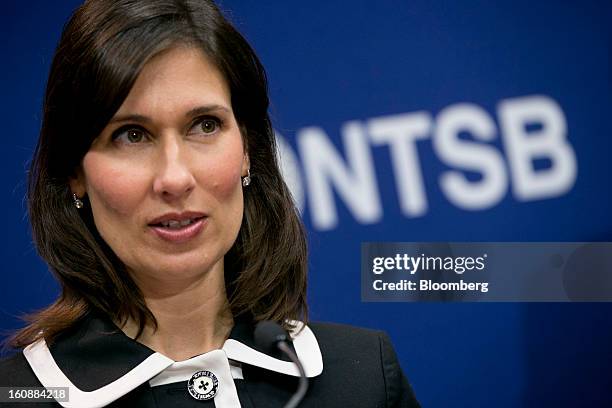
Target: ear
<point>246,164</point>
<point>77,183</point>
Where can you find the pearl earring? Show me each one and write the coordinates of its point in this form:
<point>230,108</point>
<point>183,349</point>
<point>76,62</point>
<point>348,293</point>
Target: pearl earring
<point>78,203</point>
<point>246,180</point>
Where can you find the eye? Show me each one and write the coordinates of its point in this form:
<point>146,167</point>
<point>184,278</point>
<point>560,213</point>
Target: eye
<point>129,135</point>
<point>206,126</point>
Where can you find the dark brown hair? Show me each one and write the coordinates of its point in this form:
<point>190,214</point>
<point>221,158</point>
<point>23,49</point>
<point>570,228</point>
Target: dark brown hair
<point>103,47</point>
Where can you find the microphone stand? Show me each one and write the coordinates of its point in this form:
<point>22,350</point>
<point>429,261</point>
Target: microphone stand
<point>303,384</point>
<point>269,334</point>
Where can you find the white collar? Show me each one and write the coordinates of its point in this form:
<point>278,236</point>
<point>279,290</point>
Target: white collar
<point>49,373</point>
<point>306,348</point>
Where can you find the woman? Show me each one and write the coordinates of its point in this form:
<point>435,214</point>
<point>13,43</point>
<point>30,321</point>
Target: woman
<point>156,199</point>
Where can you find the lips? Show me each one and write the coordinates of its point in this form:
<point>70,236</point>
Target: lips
<point>176,219</point>
<point>178,227</point>
<point>176,224</point>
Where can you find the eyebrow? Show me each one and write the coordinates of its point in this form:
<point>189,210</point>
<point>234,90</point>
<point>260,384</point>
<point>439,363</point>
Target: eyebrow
<point>197,111</point>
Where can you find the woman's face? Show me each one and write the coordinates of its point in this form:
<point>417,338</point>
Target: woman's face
<point>164,177</point>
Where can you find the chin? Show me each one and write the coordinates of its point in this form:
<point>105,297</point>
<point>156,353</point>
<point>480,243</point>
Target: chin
<point>180,267</point>
<point>174,268</point>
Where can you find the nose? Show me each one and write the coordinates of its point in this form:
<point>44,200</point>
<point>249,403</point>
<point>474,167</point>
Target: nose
<point>174,178</point>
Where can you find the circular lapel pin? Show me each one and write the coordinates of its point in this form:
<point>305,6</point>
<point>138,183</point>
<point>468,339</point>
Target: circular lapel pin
<point>203,385</point>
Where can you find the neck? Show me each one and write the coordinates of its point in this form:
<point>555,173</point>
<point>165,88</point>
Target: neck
<point>192,318</point>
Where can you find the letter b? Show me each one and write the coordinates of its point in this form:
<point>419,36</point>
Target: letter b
<point>524,147</point>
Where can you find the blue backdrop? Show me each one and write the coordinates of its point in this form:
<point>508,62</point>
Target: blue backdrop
<point>405,121</point>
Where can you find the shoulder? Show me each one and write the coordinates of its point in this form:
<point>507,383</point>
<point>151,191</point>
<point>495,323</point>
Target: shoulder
<point>16,372</point>
<point>344,330</point>
<point>356,356</point>
<point>351,341</point>
<point>345,339</point>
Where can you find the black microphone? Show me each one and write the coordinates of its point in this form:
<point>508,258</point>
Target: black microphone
<point>270,335</point>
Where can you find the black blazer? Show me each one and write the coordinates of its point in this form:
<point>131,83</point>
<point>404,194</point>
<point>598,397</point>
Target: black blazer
<point>346,366</point>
